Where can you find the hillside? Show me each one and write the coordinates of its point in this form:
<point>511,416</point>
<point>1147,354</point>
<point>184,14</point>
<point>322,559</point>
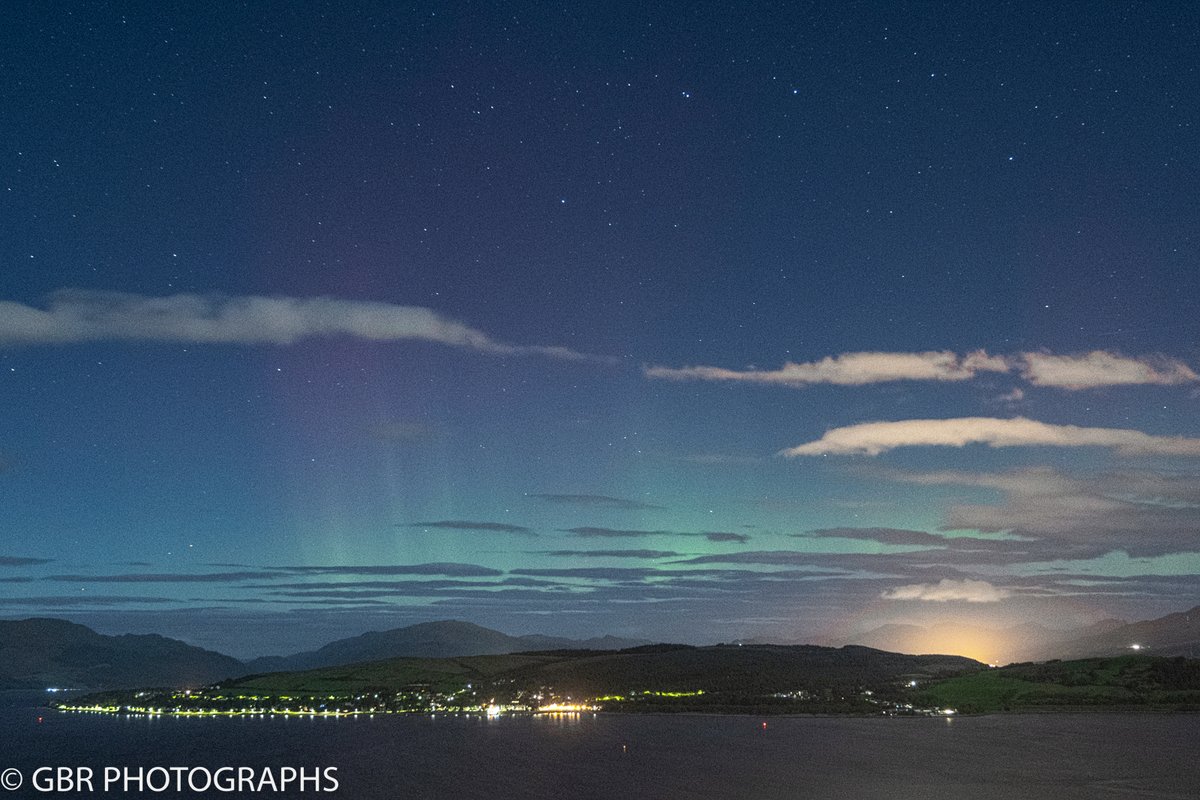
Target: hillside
<point>722,678</point>
<point>721,669</point>
<point>442,639</point>
<point>1173,635</point>
<point>1130,681</point>
<point>40,653</point>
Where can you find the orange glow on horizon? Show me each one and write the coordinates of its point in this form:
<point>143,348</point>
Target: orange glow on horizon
<point>977,644</point>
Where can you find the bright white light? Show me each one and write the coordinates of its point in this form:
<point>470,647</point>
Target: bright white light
<point>1135,647</point>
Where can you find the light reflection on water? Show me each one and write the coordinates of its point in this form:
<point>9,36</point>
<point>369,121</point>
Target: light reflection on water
<point>667,756</point>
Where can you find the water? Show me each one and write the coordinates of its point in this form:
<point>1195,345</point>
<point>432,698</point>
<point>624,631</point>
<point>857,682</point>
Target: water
<point>634,757</point>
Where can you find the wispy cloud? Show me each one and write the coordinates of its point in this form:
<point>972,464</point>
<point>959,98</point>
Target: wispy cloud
<point>467,525</point>
<point>18,561</point>
<point>450,569</point>
<point>71,600</point>
<point>648,554</point>
<point>594,573</point>
<point>716,459</point>
<point>898,536</point>
<point>725,536</point>
<point>617,533</point>
<point>592,532</point>
<point>595,501</point>
<point>1140,512</point>
<point>947,590</point>
<point>182,577</point>
<point>1090,370</point>
<point>1011,398</point>
<point>873,438</point>
<point>849,369</point>
<point>75,315</point>
<point>1101,368</point>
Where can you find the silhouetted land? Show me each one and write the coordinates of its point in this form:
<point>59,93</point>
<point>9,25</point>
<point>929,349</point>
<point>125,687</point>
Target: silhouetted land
<point>1120,683</point>
<point>672,678</point>
<point>722,678</point>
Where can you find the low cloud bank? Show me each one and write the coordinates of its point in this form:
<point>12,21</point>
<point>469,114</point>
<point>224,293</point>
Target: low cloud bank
<point>1091,370</point>
<point>873,438</point>
<point>948,590</point>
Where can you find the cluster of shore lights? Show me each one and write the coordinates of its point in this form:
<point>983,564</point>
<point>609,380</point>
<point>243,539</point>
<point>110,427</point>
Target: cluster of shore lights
<point>565,708</point>
<point>137,711</point>
<point>492,710</point>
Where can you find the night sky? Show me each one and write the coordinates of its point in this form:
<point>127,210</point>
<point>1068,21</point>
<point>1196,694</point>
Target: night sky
<point>676,321</point>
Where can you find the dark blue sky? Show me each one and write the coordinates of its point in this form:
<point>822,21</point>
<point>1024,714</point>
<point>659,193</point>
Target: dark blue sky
<point>299,300</point>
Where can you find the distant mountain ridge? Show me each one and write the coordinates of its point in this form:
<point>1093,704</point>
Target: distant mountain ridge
<point>40,653</point>
<point>442,639</point>
<point>1173,635</point>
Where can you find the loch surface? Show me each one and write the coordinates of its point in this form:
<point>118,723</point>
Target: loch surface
<point>628,756</point>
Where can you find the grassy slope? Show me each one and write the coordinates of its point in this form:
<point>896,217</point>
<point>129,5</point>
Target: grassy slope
<point>1094,683</point>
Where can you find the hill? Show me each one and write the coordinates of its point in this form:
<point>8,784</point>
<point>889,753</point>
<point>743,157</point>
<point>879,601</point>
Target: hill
<point>1129,681</point>
<point>443,639</point>
<point>721,678</point>
<point>41,653</point>
<point>657,677</point>
<point>1173,635</point>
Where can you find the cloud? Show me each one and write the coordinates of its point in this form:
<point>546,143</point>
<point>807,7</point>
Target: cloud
<point>67,601</point>
<point>1100,368</point>
<point>956,558</point>
<point>1141,512</point>
<point>465,525</point>
<point>1085,371</point>
<point>725,536</point>
<point>614,533</point>
<point>649,554</point>
<point>849,369</point>
<point>77,315</point>
<point>208,577</point>
<point>873,438</point>
<point>713,459</point>
<point>595,501</point>
<point>898,536</point>
<point>420,586</point>
<point>593,573</point>
<point>1033,480</point>
<point>588,531</point>
<point>946,590</point>
<point>18,561</point>
<point>1017,395</point>
<point>792,558</point>
<point>450,569</point>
